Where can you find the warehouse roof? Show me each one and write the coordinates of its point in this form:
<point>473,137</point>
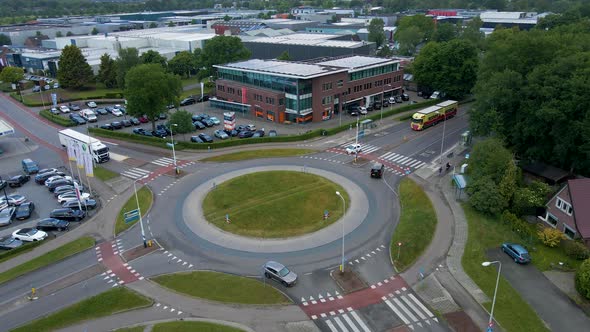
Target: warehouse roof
<point>283,68</point>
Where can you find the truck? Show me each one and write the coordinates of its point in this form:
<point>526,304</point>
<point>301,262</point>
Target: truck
<point>434,114</point>
<point>99,151</point>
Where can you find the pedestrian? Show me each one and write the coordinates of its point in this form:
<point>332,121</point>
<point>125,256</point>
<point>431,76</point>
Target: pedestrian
<point>440,171</point>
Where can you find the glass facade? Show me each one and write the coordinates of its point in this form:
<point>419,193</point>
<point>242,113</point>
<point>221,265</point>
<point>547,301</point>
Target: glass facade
<point>234,107</point>
<point>359,75</point>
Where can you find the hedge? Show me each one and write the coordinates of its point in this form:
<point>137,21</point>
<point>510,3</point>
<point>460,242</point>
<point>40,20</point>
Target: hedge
<point>17,251</point>
<point>65,122</point>
<point>109,95</point>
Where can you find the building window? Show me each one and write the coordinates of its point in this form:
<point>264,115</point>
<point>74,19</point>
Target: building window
<point>327,100</point>
<point>327,86</point>
<point>564,206</point>
<point>552,220</point>
<point>270,101</point>
<point>569,232</point>
<point>221,88</point>
<point>340,83</point>
<point>270,116</point>
<point>281,101</point>
<point>239,92</point>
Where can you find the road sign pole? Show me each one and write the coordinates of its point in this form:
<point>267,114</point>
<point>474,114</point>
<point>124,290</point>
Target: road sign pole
<point>140,219</point>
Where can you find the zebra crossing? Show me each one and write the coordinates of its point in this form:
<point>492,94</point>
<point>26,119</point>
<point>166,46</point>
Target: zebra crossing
<point>365,148</point>
<point>135,173</point>
<point>163,161</point>
<point>345,320</point>
<point>401,160</point>
<point>409,309</point>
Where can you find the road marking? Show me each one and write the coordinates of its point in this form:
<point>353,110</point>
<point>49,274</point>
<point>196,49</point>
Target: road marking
<point>413,307</point>
<point>399,304</point>
<point>360,321</point>
<point>420,305</point>
<point>397,312</point>
<point>339,323</point>
<point>331,326</point>
<point>350,323</point>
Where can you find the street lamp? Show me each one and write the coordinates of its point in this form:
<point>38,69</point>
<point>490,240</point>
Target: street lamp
<point>343,212</point>
<point>173,150</point>
<point>443,137</point>
<point>382,97</point>
<point>4,188</point>
<point>356,140</point>
<point>139,211</point>
<point>490,322</point>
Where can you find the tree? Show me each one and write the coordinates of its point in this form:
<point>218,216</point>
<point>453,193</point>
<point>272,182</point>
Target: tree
<point>450,67</point>
<point>184,122</point>
<point>107,72</point>
<point>153,25</point>
<point>94,31</point>
<point>489,159</point>
<point>227,18</point>
<point>148,89</point>
<point>73,70</point>
<point>485,197</point>
<point>5,40</point>
<point>128,58</point>
<point>583,279</point>
<point>182,64</point>
<point>424,24</point>
<point>550,236</point>
<point>171,24</point>
<point>527,199</point>
<point>409,39</point>
<point>376,32</point>
<point>69,33</point>
<point>222,49</point>
<point>284,56</point>
<point>11,74</point>
<point>152,56</point>
<point>59,34</point>
<point>472,33</point>
<point>445,32</point>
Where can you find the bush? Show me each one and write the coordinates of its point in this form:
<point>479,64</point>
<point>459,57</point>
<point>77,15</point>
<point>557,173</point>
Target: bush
<point>575,249</point>
<point>550,237</point>
<point>66,122</point>
<point>583,279</point>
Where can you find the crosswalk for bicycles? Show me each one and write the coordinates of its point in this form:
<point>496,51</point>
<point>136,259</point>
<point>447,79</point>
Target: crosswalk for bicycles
<point>135,173</point>
<point>401,160</point>
<point>163,161</point>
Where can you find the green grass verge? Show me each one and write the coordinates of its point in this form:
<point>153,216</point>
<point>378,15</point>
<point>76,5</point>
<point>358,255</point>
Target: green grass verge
<point>144,195</point>
<point>51,257</point>
<point>274,204</point>
<point>511,311</point>
<point>222,287</point>
<point>131,329</point>
<point>92,91</point>
<point>416,225</point>
<point>193,326</point>
<point>105,304</point>
<point>8,254</point>
<point>190,81</point>
<point>104,174</point>
<point>257,154</point>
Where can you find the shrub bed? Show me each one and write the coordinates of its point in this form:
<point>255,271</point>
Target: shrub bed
<point>65,122</point>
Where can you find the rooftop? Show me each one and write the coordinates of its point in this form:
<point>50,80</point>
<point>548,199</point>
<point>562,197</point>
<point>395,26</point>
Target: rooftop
<point>283,68</point>
<point>357,62</point>
<point>311,39</point>
<point>580,195</point>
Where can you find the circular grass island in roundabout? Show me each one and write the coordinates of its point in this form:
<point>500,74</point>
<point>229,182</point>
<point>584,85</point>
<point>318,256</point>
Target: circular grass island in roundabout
<point>274,204</point>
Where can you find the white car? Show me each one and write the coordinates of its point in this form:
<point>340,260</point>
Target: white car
<point>29,234</point>
<point>118,106</point>
<point>55,178</point>
<point>215,120</point>
<point>14,199</point>
<point>91,104</point>
<point>363,110</point>
<point>56,85</point>
<point>64,109</point>
<point>116,112</point>
<point>71,196</point>
<point>353,149</point>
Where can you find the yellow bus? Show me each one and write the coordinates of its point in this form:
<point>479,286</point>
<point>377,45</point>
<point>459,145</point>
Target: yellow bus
<point>434,114</point>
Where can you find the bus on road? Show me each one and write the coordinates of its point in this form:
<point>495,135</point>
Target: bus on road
<point>434,114</point>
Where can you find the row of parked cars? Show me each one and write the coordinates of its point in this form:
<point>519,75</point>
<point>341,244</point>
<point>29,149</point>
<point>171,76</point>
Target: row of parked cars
<point>363,110</point>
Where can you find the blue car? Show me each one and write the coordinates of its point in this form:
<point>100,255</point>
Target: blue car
<point>517,252</point>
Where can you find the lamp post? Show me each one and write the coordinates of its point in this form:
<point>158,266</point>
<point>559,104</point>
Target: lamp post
<point>442,142</point>
<point>139,211</point>
<point>491,321</point>
<point>4,189</point>
<point>173,150</point>
<point>382,97</point>
<point>356,139</point>
<point>343,212</point>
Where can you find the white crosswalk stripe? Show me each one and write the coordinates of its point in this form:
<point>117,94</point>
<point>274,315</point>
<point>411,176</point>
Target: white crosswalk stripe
<point>163,161</point>
<point>331,326</point>
<point>365,148</point>
<point>349,321</point>
<point>360,321</point>
<point>340,324</point>
<point>409,309</point>
<point>397,312</point>
<point>135,173</point>
<point>401,160</point>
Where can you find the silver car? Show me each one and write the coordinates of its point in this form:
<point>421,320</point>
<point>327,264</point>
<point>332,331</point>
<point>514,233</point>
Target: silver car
<point>6,216</point>
<point>280,272</point>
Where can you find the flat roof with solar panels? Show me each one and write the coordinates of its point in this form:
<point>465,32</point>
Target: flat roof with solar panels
<point>283,68</point>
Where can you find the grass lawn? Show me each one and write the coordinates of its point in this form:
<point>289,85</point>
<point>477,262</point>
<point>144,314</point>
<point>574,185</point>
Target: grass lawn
<point>105,304</point>
<point>196,92</point>
<point>193,326</point>
<point>92,91</point>
<point>51,257</point>
<point>131,329</point>
<point>104,174</point>
<point>144,195</point>
<point>257,154</point>
<point>416,225</point>
<point>274,204</point>
<point>222,287</point>
<point>190,81</point>
<point>511,311</point>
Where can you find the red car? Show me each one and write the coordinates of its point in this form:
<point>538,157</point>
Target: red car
<point>143,119</point>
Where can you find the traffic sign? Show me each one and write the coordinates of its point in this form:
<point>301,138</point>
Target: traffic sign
<point>131,216</point>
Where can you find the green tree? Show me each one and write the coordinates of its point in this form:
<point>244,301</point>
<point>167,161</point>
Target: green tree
<point>69,33</point>
<point>424,24</point>
<point>450,67</point>
<point>148,89</point>
<point>107,71</point>
<point>153,25</point>
<point>171,24</point>
<point>472,33</point>
<point>227,18</point>
<point>11,74</point>
<point>445,32</point>
<point>485,197</point>
<point>59,34</point>
<point>583,279</point>
<point>73,70</point>
<point>376,32</point>
<point>284,56</point>
<point>184,122</point>
<point>527,199</point>
<point>152,56</point>
<point>489,159</point>
<point>409,39</point>
<point>128,58</point>
<point>94,31</point>
<point>182,64</point>
<point>222,49</point>
<point>5,40</point>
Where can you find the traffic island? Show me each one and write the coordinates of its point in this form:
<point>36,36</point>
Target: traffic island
<point>140,251</point>
<point>348,280</point>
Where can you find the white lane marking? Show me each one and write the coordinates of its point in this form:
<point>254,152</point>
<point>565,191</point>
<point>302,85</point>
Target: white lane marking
<point>411,305</point>
<point>360,321</point>
<point>350,323</point>
<point>340,324</point>
<point>331,326</point>
<point>397,312</point>
<point>399,304</point>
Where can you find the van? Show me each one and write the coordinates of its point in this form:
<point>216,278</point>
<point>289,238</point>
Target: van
<point>377,170</point>
<point>29,166</point>
<point>88,114</point>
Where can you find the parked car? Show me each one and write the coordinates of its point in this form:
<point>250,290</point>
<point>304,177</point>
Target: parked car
<point>164,128</point>
<point>199,125</point>
<point>215,120</point>
<point>232,133</point>
<point>272,133</point>
<point>116,112</point>
<point>49,181</point>
<point>208,122</point>
<point>162,116</point>
<point>42,177</point>
<point>74,107</point>
<point>187,101</point>
<point>59,183</point>
<point>14,199</point>
<point>47,170</point>
<point>369,108</point>
<point>77,119</point>
<point>126,123</point>
<point>87,204</point>
<point>102,111</point>
<point>29,234</point>
<point>54,111</point>
<point>66,188</point>
<point>376,105</point>
<point>391,100</point>
<point>196,118</point>
<point>9,243</point>
<point>202,99</point>
<point>134,121</point>
<point>516,252</point>
<point>139,131</point>
<point>251,127</point>
<point>67,214</point>
<point>6,216</point>
<point>377,170</point>
<point>362,110</point>
<point>18,180</point>
<point>280,273</point>
<point>204,116</point>
<point>405,97</point>
<point>353,149</point>
<point>386,103</point>
<point>64,109</point>
<point>116,125</point>
<point>159,133</point>
<point>206,138</point>
<point>37,88</point>
<point>107,126</point>
<point>52,224</point>
<point>143,119</point>
<point>71,197</point>
<point>259,133</point>
<point>240,128</point>
<point>221,134</point>
<point>88,115</point>
<point>56,85</point>
<point>353,112</point>
<point>91,104</point>
<point>24,211</point>
<point>29,166</point>
<point>196,139</point>
<point>398,99</point>
<point>245,134</point>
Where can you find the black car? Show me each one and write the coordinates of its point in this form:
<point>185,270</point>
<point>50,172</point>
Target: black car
<point>377,170</point>
<point>258,133</point>
<point>24,211</point>
<point>245,134</point>
<point>159,133</point>
<point>206,138</point>
<point>196,139</point>
<point>67,214</point>
<point>134,121</point>
<point>405,97</point>
<point>59,183</point>
<point>164,128</point>
<point>126,123</point>
<point>116,125</point>
<point>89,204</point>
<point>208,122</point>
<point>40,178</point>
<point>52,224</point>
<point>376,106</point>
<point>188,101</point>
<point>204,116</point>
<point>240,128</point>
<point>77,119</point>
<point>74,107</point>
<point>386,103</point>
<point>232,133</point>
<point>199,125</point>
<point>107,126</point>
<point>202,99</point>
<point>8,243</point>
<point>64,189</point>
<point>196,118</point>
<point>101,111</point>
<point>18,180</point>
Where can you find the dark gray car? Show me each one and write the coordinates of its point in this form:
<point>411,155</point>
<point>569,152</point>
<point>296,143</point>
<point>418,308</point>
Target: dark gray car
<point>8,242</point>
<point>7,215</point>
<point>279,272</point>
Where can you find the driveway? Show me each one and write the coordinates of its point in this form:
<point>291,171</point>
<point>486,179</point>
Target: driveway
<point>552,306</point>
